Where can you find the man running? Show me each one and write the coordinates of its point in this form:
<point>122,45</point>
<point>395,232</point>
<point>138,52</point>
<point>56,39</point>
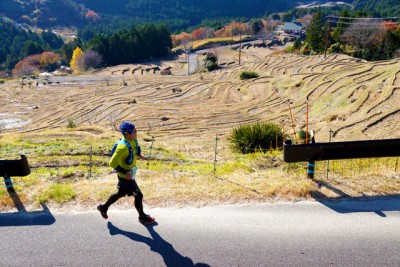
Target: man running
<point>123,161</point>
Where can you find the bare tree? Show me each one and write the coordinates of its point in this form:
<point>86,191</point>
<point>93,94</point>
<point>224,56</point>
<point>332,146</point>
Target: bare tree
<point>363,34</point>
<point>113,120</point>
<point>92,60</point>
<point>187,47</point>
<point>305,20</point>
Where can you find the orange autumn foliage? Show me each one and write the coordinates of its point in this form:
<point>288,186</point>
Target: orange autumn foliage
<point>92,16</point>
<point>46,61</point>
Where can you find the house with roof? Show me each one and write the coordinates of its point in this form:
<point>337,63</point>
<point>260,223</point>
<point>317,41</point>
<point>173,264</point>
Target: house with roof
<point>292,27</point>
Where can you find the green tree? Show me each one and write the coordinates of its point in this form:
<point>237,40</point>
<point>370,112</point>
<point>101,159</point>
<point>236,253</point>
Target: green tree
<point>297,44</point>
<point>100,44</point>
<point>314,35</point>
<point>32,48</point>
<point>390,44</point>
<point>211,61</point>
<point>256,25</point>
<point>341,26</point>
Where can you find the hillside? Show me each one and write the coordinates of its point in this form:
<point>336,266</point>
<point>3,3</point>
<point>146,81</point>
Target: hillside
<point>177,13</point>
<point>386,8</point>
<point>50,13</point>
<point>356,99</point>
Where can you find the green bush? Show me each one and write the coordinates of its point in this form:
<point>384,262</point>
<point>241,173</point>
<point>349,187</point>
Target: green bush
<point>211,61</point>
<point>1,81</point>
<point>248,75</point>
<point>71,124</point>
<point>256,137</point>
<point>211,66</point>
<point>302,136</point>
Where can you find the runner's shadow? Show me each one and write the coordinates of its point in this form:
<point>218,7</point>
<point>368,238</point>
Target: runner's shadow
<point>157,244</point>
<point>25,218</point>
<point>347,204</point>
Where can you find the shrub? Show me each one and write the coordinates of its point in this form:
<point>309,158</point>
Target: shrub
<point>165,72</point>
<point>1,81</point>
<point>248,75</point>
<point>211,66</point>
<point>256,137</point>
<point>302,136</point>
<point>211,61</point>
<point>71,124</point>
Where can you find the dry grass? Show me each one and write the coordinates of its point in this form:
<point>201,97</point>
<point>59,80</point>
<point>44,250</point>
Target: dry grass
<point>181,173</point>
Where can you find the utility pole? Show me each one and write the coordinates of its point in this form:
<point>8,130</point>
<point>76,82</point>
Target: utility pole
<point>326,35</point>
<point>215,154</point>
<point>188,56</point>
<point>240,46</point>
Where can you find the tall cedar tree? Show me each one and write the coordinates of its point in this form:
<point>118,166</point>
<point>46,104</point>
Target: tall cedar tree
<point>315,37</point>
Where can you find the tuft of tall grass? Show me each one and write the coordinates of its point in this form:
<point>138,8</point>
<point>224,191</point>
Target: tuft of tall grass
<point>256,137</point>
<point>248,75</point>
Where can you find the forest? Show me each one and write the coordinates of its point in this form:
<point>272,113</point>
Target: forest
<point>46,51</point>
<point>109,26</point>
<point>16,44</point>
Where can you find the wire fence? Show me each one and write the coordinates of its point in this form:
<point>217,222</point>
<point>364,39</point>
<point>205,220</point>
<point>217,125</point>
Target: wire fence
<point>350,167</point>
<point>89,159</point>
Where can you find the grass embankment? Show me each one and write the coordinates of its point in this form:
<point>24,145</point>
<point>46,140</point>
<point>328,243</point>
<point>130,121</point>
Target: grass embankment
<point>206,43</point>
<point>69,170</point>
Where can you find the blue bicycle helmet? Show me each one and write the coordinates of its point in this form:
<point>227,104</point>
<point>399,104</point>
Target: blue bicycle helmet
<point>126,127</point>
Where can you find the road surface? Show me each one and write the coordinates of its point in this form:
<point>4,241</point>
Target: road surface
<point>359,233</point>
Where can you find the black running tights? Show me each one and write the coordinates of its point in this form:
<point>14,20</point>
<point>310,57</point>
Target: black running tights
<point>121,193</point>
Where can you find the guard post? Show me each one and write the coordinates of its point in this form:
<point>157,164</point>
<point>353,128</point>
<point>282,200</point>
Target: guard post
<point>9,168</point>
<point>311,163</point>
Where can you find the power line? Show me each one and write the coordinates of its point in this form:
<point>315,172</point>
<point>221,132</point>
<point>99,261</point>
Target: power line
<point>373,25</point>
<point>387,18</point>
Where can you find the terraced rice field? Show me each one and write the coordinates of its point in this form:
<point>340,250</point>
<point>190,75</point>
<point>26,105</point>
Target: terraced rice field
<point>355,99</point>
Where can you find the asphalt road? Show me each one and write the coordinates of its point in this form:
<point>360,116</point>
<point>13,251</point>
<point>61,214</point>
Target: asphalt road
<point>359,233</point>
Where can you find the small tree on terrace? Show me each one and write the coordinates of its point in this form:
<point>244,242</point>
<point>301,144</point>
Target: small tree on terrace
<point>75,59</point>
<point>211,61</point>
<point>256,25</point>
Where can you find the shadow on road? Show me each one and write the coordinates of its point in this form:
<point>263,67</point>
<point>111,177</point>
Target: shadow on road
<point>23,217</point>
<point>157,244</point>
<point>348,204</point>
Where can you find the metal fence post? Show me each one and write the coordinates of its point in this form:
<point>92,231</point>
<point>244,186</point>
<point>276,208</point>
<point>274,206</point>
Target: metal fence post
<point>311,164</point>
<point>9,184</point>
<point>327,164</point>
<point>151,148</point>
<point>215,153</point>
<point>90,162</point>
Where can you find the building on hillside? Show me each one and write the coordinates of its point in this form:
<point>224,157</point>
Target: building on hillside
<point>292,27</point>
